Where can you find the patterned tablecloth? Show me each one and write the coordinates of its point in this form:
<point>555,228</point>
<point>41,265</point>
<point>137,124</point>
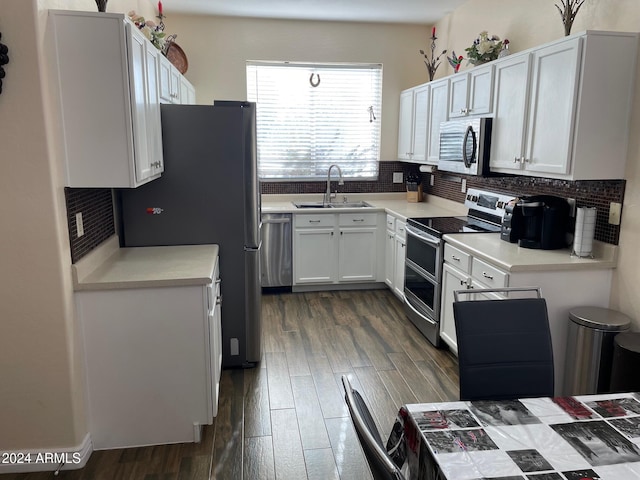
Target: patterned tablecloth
<point>566,438</point>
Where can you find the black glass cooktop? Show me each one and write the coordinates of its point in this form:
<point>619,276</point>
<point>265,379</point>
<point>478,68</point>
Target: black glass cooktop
<point>438,226</point>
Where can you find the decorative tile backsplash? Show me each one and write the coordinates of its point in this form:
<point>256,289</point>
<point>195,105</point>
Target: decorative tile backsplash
<point>96,204</point>
<point>587,193</point>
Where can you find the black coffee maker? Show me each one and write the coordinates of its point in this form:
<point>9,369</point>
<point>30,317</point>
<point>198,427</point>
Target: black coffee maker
<point>539,221</point>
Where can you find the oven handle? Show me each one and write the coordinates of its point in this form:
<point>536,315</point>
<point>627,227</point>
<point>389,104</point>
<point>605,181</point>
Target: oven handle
<point>431,240</point>
<point>422,315</point>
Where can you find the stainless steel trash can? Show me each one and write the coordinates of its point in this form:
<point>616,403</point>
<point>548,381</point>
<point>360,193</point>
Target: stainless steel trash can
<point>590,349</point>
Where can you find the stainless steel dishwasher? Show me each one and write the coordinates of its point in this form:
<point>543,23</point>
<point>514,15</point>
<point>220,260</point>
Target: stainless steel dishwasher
<point>276,251</point>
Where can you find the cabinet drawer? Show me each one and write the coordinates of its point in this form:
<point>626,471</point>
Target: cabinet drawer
<point>358,219</point>
<point>313,220</point>
<point>458,258</point>
<point>489,275</point>
<point>391,222</point>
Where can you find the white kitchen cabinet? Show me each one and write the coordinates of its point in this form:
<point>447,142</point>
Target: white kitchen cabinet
<point>153,360</point>
<point>413,124</point>
<point>187,92</point>
<point>472,92</point>
<point>173,86</point>
<point>395,243</point>
<point>438,113</point>
<point>452,280</point>
<point>333,248</point>
<point>562,108</point>
<point>108,97</point>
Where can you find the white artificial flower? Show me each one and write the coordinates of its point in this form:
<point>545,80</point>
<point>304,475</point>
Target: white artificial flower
<point>485,46</point>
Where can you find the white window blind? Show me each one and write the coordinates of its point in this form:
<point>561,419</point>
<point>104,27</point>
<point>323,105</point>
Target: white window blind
<point>302,129</point>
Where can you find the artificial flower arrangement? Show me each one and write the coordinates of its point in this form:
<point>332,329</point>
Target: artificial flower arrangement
<point>149,29</point>
<point>484,49</point>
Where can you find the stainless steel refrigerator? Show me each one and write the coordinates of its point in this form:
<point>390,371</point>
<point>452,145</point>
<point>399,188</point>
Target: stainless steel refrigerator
<point>209,193</point>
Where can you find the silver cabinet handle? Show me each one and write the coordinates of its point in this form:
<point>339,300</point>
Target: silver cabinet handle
<point>314,221</point>
<point>486,275</point>
<point>516,160</point>
<point>455,258</point>
<point>358,220</point>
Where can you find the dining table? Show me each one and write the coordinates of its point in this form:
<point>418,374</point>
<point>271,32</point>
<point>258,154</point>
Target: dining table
<point>548,438</point>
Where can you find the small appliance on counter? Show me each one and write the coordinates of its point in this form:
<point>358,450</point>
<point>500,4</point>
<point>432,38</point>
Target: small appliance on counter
<point>538,221</point>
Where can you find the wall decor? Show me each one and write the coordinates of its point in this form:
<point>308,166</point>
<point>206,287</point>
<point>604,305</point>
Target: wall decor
<point>455,61</point>
<point>568,13</point>
<point>434,62</point>
<point>484,49</point>
<point>4,59</point>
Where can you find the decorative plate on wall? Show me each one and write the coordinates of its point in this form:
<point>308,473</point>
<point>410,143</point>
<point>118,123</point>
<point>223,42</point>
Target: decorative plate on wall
<point>177,57</point>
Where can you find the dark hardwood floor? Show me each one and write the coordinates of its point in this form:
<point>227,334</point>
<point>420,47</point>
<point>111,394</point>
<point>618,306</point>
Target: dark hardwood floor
<point>286,419</point>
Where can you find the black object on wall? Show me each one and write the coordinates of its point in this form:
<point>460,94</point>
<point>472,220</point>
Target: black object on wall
<point>4,59</point>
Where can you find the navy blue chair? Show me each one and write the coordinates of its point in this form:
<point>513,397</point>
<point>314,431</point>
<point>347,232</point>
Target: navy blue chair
<point>504,346</point>
<point>381,465</point>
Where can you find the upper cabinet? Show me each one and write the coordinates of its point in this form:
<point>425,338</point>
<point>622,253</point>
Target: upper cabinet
<point>108,99</point>
<point>472,92</point>
<point>413,124</point>
<point>173,86</point>
<point>438,113</point>
<point>563,110</point>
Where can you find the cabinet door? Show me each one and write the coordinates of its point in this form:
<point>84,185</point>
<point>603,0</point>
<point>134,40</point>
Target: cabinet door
<point>438,113</point>
<point>510,112</point>
<point>314,255</point>
<point>389,258</point>
<point>552,105</point>
<point>138,80</point>
<point>357,260</point>
<point>481,90</point>
<point>452,280</point>
<point>398,278</point>
<point>187,92</point>
<point>420,123</point>
<point>164,79</point>
<point>459,89</point>
<point>152,105</point>
<point>405,125</point>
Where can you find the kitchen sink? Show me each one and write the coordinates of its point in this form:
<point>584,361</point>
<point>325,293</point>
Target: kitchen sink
<point>350,205</point>
<point>331,205</point>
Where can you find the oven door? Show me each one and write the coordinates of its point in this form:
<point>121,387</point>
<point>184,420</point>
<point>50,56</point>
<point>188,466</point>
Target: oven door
<point>424,253</point>
<point>422,302</point>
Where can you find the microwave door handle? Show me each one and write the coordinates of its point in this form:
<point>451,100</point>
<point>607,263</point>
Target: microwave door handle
<point>468,161</point>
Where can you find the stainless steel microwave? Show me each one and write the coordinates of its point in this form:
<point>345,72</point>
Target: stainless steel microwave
<point>465,146</point>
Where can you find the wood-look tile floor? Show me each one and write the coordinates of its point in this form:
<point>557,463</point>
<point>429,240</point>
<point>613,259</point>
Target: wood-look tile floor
<point>286,419</point>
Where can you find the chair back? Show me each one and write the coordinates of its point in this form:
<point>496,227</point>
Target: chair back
<point>504,348</point>
<point>381,465</point>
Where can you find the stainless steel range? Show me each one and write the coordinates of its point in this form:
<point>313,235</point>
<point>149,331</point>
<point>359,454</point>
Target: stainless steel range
<point>424,258</point>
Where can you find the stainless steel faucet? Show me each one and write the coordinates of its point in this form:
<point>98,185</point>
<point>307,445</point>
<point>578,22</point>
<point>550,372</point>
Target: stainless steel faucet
<point>328,195</point>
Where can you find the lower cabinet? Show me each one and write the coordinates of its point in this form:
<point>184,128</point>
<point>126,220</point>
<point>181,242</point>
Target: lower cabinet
<point>562,290</point>
<point>333,248</point>
<point>153,362</point>
<point>395,251</point>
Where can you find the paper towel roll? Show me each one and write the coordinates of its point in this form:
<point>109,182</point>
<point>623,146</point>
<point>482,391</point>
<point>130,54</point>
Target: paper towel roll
<point>585,229</point>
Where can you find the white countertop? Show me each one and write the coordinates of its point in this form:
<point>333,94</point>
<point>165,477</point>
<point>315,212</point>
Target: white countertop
<point>110,267</point>
<point>395,203</point>
<point>512,258</point>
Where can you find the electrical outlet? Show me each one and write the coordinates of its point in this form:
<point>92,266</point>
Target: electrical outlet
<point>615,209</point>
<point>463,189</point>
<point>79,224</point>
<point>397,177</point>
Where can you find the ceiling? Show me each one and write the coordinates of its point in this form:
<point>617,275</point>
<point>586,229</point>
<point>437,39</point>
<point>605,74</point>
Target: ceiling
<point>425,12</point>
